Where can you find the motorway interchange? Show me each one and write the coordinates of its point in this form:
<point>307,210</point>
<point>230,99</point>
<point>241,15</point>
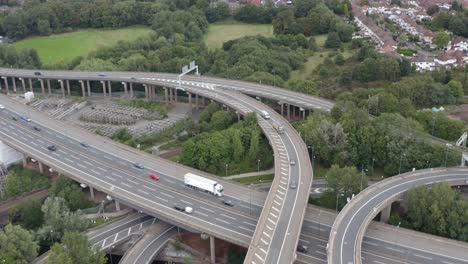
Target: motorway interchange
<point>91,165</point>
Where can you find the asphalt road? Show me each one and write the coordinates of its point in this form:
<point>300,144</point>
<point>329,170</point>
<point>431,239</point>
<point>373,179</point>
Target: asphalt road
<point>351,223</point>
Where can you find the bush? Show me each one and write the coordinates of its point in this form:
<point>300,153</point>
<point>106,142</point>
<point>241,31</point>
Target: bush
<point>21,180</point>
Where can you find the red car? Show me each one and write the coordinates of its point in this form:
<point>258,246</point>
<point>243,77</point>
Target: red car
<point>154,176</point>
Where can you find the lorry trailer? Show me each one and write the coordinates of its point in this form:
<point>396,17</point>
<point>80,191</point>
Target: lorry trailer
<point>198,182</point>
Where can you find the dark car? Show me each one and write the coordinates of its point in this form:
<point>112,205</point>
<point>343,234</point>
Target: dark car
<point>52,148</point>
<point>138,165</point>
<point>14,118</point>
<point>302,248</point>
<point>37,73</point>
<point>179,208</point>
<point>37,128</point>
<point>84,144</point>
<point>228,202</point>
<point>102,74</point>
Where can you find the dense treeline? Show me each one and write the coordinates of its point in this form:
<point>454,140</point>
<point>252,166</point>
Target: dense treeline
<point>223,147</point>
<point>437,210</point>
<point>23,58</point>
<point>458,23</point>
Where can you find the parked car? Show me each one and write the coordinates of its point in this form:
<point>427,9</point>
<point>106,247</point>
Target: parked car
<point>153,176</point>
<point>138,165</point>
<point>52,148</point>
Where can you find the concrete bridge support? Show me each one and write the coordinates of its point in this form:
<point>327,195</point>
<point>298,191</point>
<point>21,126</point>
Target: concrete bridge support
<point>49,89</point>
<point>62,88</point>
<point>131,90</point>
<point>212,250</point>
<point>42,86</point>
<point>282,108</point>
<point>109,88</point>
<point>289,111</point>
<point>25,161</point>
<point>41,167</point>
<point>6,84</point>
<point>175,95</point>
<point>23,84</point>
<point>68,88</point>
<point>103,83</point>
<point>30,85</point>
<point>83,92</point>
<point>166,99</point>
<point>117,206</point>
<point>197,107</point>
<point>146,91</point>
<point>124,84</point>
<point>88,85</point>
<point>91,192</point>
<point>190,101</point>
<point>385,214</point>
<point>14,84</point>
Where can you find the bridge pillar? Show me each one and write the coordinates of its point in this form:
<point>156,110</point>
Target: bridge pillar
<point>203,101</point>
<point>6,84</point>
<point>30,85</point>
<point>166,99</point>
<point>91,192</point>
<point>109,88</point>
<point>125,88</point>
<point>190,101</point>
<point>117,206</point>
<point>238,116</point>
<point>289,111</point>
<point>171,99</point>
<point>42,86</point>
<point>49,89</point>
<point>25,161</point>
<point>146,91</point>
<point>41,167</point>
<point>68,88</point>
<point>62,88</point>
<point>196,102</point>
<point>385,214</point>
<point>1,85</point>
<point>131,90</point>
<point>282,108</point>
<point>14,84</point>
<point>88,87</point>
<point>212,250</point>
<point>83,92</point>
<point>175,95</point>
<point>23,84</point>
<point>103,88</point>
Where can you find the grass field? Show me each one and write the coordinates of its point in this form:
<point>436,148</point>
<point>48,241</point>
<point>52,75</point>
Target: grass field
<point>218,33</point>
<point>63,47</point>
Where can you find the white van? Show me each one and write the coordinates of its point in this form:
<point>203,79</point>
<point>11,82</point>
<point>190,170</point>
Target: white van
<point>188,210</point>
<point>265,114</point>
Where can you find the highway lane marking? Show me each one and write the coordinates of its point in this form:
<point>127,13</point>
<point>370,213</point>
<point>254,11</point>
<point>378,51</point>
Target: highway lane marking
<point>227,216</point>
<point>226,222</point>
<point>378,262</point>
<point>394,249</point>
<point>32,143</point>
<point>169,180</point>
<point>304,241</point>
<point>276,202</point>
<point>166,194</point>
<point>373,244</point>
<point>183,201</point>
<point>446,262</point>
<point>273,222</point>
<point>264,251</point>
<point>134,182</point>
<point>99,168</point>
<point>89,163</point>
<point>6,129</point>
<point>162,199</point>
<point>322,246</point>
<point>209,210</point>
<point>40,141</point>
<point>420,256</point>
<point>119,176</point>
<point>140,190</point>
<point>81,165</point>
<point>205,215</point>
<point>23,138</point>
<point>107,157</point>
<point>69,160</point>
<point>97,172</point>
<point>272,214</point>
<point>243,228</point>
<point>282,187</point>
<point>260,258</point>
<point>75,157</point>
<point>282,193</point>
<point>276,209</point>
<point>124,184</point>
<point>269,227</point>
<point>320,252</point>
<point>246,223</point>
<point>109,177</point>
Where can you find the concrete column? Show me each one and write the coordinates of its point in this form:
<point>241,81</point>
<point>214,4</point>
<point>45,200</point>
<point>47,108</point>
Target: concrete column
<point>289,111</point>
<point>62,88</point>
<point>196,102</point>
<point>25,162</point>
<point>14,84</point>
<point>68,88</point>
<point>42,86</point>
<point>385,214</point>
<point>303,114</point>
<point>0,85</point>
<point>282,108</point>
<point>103,88</point>
<point>146,91</point>
<point>41,168</point>
<point>294,111</point>
<point>203,101</point>
<point>238,116</point>
<point>170,95</point>
<point>49,88</point>
<point>30,85</point>
<point>6,85</point>
<point>23,84</point>
<point>212,250</point>
<point>166,99</point>
<point>117,206</point>
<point>91,192</point>
<point>175,95</point>
<point>153,88</point>
<point>88,84</point>
<point>131,90</point>
<point>83,92</point>
<point>109,88</point>
<point>125,88</point>
<point>190,100</point>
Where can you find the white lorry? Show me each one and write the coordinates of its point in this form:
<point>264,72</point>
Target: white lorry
<point>204,184</point>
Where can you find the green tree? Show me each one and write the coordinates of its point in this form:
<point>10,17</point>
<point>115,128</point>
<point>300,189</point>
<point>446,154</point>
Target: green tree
<point>30,214</point>
<point>345,180</point>
<point>333,41</point>
<point>17,245</point>
<point>71,192</point>
<point>441,39</point>
<point>283,21</point>
<point>238,147</point>
<point>75,248</point>
<point>221,120</point>
<point>122,135</point>
<point>254,144</point>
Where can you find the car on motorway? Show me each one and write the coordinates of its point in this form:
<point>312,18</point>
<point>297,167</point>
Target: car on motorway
<point>52,148</point>
<point>25,118</point>
<point>84,144</point>
<point>14,118</point>
<point>292,162</point>
<point>102,74</point>
<point>179,208</point>
<point>228,202</point>
<point>37,73</point>
<point>138,165</point>
<point>153,176</point>
<point>36,128</point>
<point>2,107</point>
<point>293,185</point>
<point>302,248</point>
<point>188,210</point>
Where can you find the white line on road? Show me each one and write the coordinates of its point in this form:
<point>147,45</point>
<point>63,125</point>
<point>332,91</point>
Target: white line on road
<point>81,165</point>
<point>186,202</point>
<point>116,175</point>
<point>166,194</point>
<point>97,172</point>
<point>211,211</point>
<point>143,191</point>
<point>227,216</point>
<point>420,256</point>
<point>226,222</point>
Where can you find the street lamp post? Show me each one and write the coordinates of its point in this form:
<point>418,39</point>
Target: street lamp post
<point>337,196</point>
<point>258,165</point>
<point>110,254</point>
<point>250,199</point>
<point>362,176</point>
<point>227,169</point>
